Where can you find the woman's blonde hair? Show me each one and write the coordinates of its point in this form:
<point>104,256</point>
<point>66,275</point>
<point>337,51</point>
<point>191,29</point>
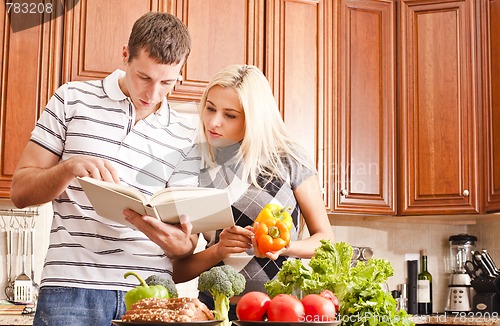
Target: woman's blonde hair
<point>266,138</point>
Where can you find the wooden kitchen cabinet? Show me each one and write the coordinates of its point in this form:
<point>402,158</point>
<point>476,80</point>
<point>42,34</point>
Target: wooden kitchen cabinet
<point>287,39</point>
<point>490,101</point>
<point>298,64</point>
<point>222,33</point>
<point>365,128</point>
<point>87,44</point>
<point>425,67</point>
<point>280,37</point>
<point>438,116</point>
<point>29,74</point>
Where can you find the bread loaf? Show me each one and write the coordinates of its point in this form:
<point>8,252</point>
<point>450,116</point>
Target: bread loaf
<point>168,310</point>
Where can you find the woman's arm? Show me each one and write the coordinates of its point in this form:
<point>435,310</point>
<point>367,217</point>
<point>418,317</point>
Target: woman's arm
<point>310,200</point>
<point>231,240</point>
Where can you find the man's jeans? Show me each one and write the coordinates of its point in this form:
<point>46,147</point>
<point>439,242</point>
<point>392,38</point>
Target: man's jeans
<point>65,306</point>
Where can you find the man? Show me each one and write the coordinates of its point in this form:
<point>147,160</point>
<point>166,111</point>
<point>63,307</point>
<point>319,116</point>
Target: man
<point>119,129</point>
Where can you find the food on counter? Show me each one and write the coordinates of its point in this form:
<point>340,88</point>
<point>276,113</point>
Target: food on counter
<point>331,296</point>
<point>168,310</point>
<point>362,299</point>
<point>168,283</point>
<point>273,211</point>
<point>253,306</point>
<point>318,308</point>
<point>285,308</point>
<point>272,228</point>
<point>143,291</point>
<point>222,282</point>
<point>256,306</point>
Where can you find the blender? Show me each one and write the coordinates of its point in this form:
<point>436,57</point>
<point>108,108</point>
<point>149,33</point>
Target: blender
<point>460,291</point>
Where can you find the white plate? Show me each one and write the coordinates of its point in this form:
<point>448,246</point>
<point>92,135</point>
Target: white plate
<point>157,323</point>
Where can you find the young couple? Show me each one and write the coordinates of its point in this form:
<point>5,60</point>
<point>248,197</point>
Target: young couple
<point>121,129</point>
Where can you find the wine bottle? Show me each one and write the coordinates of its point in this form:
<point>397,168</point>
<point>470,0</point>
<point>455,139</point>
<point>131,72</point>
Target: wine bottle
<point>424,287</point>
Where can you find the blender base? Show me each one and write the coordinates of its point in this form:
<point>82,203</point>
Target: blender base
<point>459,298</point>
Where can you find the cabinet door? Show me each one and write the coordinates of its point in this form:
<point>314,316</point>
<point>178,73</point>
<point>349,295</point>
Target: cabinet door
<point>364,156</point>
<point>491,99</point>
<point>29,71</point>
<point>300,72</point>
<point>95,33</point>
<point>437,126</point>
<point>222,33</point>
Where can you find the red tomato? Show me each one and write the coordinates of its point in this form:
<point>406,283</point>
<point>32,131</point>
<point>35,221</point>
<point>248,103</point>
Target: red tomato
<point>285,307</point>
<point>253,306</point>
<point>330,295</point>
<point>318,308</point>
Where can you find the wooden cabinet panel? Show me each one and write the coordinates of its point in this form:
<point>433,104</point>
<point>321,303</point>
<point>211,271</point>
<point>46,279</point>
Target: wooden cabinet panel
<point>29,72</point>
<point>491,100</point>
<point>223,33</point>
<point>365,129</point>
<point>95,33</point>
<point>438,116</point>
<point>295,67</point>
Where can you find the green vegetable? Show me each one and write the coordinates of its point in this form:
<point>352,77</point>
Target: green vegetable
<point>168,283</point>
<point>222,282</point>
<point>143,291</point>
<point>362,300</point>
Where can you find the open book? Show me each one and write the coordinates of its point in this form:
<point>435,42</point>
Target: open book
<point>207,208</point>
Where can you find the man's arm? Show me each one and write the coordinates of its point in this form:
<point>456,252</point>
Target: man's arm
<point>175,240</point>
<point>40,176</point>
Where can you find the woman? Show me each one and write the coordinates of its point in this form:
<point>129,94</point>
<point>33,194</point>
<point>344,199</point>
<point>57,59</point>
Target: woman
<point>248,151</point>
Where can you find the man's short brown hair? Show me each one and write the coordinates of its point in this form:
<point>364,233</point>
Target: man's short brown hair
<point>163,36</point>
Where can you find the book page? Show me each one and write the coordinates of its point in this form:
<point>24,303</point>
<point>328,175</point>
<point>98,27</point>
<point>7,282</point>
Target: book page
<point>180,193</point>
<point>94,184</point>
<point>212,211</point>
<point>110,203</point>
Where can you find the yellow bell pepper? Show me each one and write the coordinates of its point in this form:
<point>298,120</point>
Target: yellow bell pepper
<point>276,212</point>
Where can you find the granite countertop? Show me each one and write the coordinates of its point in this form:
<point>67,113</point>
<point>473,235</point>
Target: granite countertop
<point>16,314</point>
<point>16,319</point>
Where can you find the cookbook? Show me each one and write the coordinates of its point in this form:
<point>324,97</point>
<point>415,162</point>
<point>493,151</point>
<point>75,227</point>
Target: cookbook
<point>207,208</point>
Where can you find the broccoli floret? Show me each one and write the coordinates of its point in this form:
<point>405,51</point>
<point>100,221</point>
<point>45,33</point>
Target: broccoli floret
<point>166,282</point>
<point>222,282</point>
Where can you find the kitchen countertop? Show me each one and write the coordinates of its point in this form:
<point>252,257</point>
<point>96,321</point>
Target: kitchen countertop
<point>444,319</point>
<point>16,319</point>
<point>419,320</point>
<point>16,314</point>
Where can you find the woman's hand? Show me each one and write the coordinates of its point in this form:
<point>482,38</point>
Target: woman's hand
<point>175,240</point>
<point>234,240</point>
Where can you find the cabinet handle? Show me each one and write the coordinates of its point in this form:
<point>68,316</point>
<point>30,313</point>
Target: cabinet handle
<point>343,192</point>
<point>466,193</point>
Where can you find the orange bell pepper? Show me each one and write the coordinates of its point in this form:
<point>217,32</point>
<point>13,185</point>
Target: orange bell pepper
<point>273,229</point>
<point>271,235</point>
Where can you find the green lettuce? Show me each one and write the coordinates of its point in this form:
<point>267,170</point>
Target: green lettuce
<point>362,299</point>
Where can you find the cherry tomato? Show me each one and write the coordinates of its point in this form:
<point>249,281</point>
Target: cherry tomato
<point>253,306</point>
<point>318,308</point>
<point>285,308</point>
<point>330,295</point>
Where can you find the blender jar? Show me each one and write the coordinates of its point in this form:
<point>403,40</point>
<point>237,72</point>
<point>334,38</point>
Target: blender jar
<point>461,248</point>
